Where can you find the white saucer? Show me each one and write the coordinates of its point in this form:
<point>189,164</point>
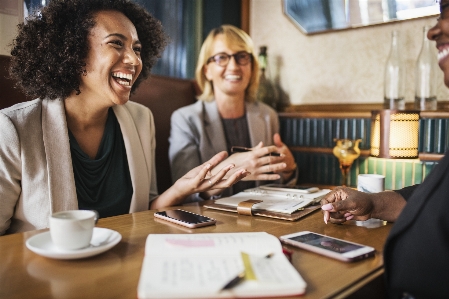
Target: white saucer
<point>43,245</point>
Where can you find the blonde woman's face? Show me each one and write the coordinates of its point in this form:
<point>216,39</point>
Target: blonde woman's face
<point>233,78</point>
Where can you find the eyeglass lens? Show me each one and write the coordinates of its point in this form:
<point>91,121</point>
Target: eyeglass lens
<point>222,59</point>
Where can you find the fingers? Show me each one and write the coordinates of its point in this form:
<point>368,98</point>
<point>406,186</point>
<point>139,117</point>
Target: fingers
<point>272,167</point>
<point>264,151</point>
<point>337,194</point>
<point>217,159</point>
<point>202,173</point>
<point>219,176</point>
<point>234,178</point>
<point>262,177</point>
<point>330,207</point>
<point>259,145</point>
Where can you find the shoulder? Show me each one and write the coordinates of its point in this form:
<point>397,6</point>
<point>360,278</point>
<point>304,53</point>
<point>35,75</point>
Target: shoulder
<point>195,110</point>
<point>22,108</point>
<point>261,108</point>
<point>24,115</point>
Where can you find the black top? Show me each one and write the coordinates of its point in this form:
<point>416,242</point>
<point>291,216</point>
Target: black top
<point>103,184</point>
<point>237,133</point>
<point>406,192</point>
<point>416,253</point>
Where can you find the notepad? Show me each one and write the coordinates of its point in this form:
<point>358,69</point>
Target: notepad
<point>199,265</point>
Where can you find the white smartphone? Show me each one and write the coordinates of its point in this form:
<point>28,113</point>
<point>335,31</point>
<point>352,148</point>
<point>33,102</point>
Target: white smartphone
<point>298,189</point>
<point>331,247</point>
<point>185,218</point>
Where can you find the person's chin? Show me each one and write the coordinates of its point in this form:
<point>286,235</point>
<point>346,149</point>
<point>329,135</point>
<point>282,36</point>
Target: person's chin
<point>446,80</point>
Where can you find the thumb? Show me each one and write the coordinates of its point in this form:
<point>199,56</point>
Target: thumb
<point>341,205</point>
<point>277,140</point>
<point>259,145</point>
<point>328,207</point>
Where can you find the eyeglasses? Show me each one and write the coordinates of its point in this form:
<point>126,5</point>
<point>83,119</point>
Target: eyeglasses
<point>222,59</point>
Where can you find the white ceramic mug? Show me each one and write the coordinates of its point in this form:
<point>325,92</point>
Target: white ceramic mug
<point>71,230</point>
<point>370,183</point>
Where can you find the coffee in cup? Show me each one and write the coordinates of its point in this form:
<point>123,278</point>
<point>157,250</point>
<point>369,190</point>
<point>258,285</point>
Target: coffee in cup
<point>73,229</point>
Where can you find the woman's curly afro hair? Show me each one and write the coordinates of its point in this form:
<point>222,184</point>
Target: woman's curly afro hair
<point>49,52</point>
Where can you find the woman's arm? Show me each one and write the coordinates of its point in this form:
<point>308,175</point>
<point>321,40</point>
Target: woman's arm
<point>199,180</point>
<point>10,171</point>
<point>344,204</point>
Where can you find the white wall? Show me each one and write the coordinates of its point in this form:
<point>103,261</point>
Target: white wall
<point>8,25</point>
<point>11,11</point>
<point>336,67</point>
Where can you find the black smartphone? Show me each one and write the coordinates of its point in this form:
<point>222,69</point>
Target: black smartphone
<point>185,218</point>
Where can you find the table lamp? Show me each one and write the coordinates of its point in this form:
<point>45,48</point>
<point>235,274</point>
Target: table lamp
<point>394,134</point>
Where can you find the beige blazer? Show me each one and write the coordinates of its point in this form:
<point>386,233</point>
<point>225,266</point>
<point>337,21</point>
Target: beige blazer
<point>197,134</point>
<point>36,174</point>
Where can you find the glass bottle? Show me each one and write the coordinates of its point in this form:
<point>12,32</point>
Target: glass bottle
<point>426,76</point>
<point>266,92</point>
<point>394,77</point>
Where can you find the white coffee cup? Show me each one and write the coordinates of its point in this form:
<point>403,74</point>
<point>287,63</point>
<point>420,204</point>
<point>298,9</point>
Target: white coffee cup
<point>71,230</point>
<point>370,183</point>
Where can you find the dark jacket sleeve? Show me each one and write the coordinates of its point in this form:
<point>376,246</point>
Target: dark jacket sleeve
<point>407,191</point>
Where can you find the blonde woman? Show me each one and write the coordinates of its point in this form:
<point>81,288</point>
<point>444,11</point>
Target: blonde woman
<point>227,114</point>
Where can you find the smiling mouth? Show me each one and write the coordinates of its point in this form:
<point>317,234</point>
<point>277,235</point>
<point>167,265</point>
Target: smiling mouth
<point>233,77</point>
<point>122,78</point>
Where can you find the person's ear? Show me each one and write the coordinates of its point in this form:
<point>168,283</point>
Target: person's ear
<point>207,72</point>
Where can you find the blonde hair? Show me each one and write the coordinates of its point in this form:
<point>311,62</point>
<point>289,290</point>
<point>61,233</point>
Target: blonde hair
<point>232,35</point>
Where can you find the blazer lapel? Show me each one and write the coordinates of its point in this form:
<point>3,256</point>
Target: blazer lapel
<point>256,125</point>
<point>136,159</point>
<point>214,128</point>
<point>61,182</point>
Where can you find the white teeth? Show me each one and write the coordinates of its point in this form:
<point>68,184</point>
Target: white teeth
<point>443,54</point>
<point>232,77</point>
<point>123,75</point>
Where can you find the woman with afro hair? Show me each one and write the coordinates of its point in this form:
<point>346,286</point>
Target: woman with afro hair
<point>81,144</point>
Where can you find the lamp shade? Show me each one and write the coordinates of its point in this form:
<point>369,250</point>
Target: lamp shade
<point>394,134</point>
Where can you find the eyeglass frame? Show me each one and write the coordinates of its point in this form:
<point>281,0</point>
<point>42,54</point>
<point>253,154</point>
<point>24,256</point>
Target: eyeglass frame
<point>212,58</point>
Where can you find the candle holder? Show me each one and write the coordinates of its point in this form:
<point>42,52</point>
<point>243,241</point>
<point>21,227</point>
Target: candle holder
<point>346,150</point>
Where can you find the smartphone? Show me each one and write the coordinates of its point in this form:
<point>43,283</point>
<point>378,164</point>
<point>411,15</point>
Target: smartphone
<point>281,187</point>
<point>185,218</point>
<point>331,247</point>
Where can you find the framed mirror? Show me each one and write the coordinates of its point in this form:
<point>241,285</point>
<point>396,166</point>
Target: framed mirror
<point>317,16</point>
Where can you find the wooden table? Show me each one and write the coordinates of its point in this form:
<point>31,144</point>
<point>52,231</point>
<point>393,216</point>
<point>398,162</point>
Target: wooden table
<point>115,273</point>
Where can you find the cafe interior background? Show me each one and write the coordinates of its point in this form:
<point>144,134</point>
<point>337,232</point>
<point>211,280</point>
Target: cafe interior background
<point>328,81</point>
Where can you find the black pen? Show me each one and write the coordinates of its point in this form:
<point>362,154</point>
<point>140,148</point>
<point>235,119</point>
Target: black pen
<point>242,149</point>
<point>236,280</point>
<point>233,282</point>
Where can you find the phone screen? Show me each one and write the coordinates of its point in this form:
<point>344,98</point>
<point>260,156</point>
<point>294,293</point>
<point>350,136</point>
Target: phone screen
<point>326,243</point>
<point>185,216</point>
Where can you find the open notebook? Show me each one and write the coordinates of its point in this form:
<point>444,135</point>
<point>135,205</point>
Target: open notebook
<point>199,265</point>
